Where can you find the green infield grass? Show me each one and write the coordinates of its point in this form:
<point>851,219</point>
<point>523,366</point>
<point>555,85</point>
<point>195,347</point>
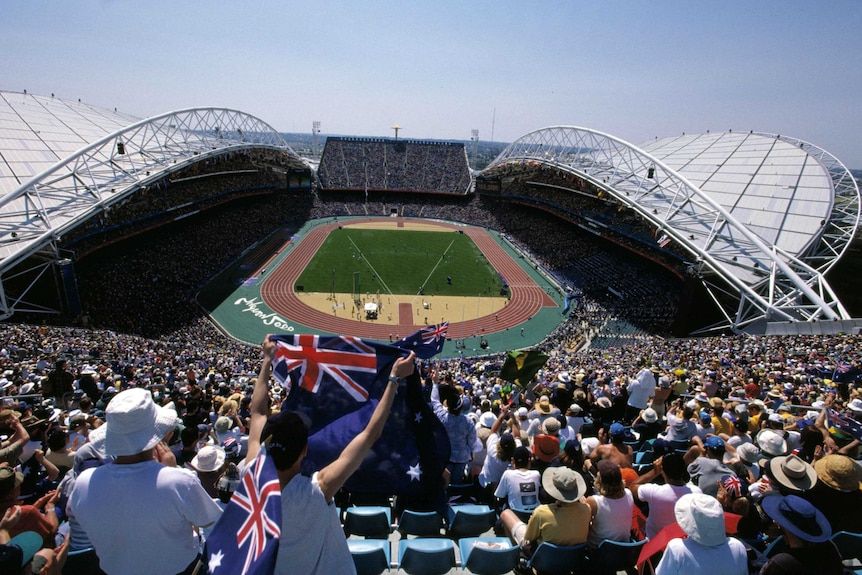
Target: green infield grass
<point>400,262</point>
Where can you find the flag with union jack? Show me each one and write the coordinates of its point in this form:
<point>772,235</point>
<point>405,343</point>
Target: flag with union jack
<point>844,424</point>
<point>336,382</point>
<point>245,538</point>
<point>427,342</point>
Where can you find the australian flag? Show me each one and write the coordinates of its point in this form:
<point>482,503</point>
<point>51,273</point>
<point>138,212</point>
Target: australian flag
<point>337,381</point>
<point>426,342</point>
<point>245,538</point>
<point>844,424</point>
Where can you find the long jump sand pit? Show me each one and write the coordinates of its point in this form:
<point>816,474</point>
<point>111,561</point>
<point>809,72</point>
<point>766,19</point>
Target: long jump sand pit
<point>426,310</point>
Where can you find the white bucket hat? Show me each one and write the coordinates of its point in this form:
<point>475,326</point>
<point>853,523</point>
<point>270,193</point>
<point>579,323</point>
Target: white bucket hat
<point>702,518</point>
<point>209,458</point>
<point>134,423</point>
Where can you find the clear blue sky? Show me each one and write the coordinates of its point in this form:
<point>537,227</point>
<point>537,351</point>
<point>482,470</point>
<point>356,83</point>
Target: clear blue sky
<point>637,69</point>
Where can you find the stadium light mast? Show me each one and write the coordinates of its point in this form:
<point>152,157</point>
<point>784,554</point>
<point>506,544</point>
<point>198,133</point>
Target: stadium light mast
<point>315,129</point>
<point>396,127</point>
<point>474,138</point>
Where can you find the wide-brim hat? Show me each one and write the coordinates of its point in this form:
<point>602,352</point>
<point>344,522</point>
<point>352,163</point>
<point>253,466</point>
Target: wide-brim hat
<point>649,415</point>
<point>134,423</point>
<point>793,472</point>
<point>839,472</point>
<point>797,516</point>
<point>748,453</point>
<point>771,443</point>
<point>543,406</point>
<point>9,480</point>
<point>701,518</point>
<point>563,484</point>
<point>552,426</point>
<point>604,402</point>
<point>209,458</point>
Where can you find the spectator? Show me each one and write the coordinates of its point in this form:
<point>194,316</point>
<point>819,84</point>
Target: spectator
<point>459,428</point>
<point>707,550</point>
<point>564,522</point>
<point>162,505</point>
<point>706,470</point>
<point>611,507</point>
<point>519,487</point>
<point>806,532</point>
<point>662,498</point>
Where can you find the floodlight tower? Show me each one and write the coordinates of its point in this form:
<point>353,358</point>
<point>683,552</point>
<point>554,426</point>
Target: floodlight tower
<point>396,127</point>
<point>315,129</point>
<point>474,138</point>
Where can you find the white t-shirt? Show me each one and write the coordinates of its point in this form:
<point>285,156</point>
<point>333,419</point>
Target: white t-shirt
<point>520,488</point>
<point>312,541</point>
<point>661,499</point>
<point>493,467</point>
<point>687,557</point>
<point>140,516</point>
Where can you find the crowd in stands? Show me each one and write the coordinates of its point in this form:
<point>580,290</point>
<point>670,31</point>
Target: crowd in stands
<point>738,418</point>
<point>617,439</point>
<point>391,165</point>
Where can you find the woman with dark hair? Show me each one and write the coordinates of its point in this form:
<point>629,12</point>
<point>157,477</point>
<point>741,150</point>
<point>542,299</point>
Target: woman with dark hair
<point>572,457</point>
<point>662,498</point>
<point>611,506</point>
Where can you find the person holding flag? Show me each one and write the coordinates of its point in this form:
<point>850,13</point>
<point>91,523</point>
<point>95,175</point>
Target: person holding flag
<point>311,540</point>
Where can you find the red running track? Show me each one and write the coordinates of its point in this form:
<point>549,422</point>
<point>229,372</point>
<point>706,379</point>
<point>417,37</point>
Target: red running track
<point>526,297</point>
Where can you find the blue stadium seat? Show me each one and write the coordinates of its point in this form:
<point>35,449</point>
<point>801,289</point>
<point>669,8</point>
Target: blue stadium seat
<point>368,521</point>
<point>488,555</point>
<point>470,520</point>
<point>430,556</point>
<point>420,523</point>
<point>371,556</point>
<point>550,559</point>
<point>613,556</point>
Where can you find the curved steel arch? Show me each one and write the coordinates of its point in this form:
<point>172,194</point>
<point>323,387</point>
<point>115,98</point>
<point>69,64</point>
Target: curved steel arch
<point>34,216</point>
<point>769,283</point>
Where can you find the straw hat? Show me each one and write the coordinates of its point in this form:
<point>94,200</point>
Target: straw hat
<point>544,405</point>
<point>563,484</point>
<point>839,472</point>
<point>701,517</point>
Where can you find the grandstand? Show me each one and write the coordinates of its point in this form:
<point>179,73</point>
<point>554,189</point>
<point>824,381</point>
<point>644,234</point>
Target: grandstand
<point>391,165</point>
<point>746,224</point>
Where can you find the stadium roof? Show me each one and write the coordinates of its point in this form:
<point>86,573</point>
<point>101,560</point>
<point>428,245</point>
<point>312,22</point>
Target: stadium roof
<point>62,162</point>
<point>766,215</point>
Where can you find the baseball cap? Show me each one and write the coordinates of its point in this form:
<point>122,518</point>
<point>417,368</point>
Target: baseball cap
<point>617,429</point>
<point>714,442</point>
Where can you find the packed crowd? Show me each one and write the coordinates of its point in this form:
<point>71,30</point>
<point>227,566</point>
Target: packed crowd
<point>740,420</point>
<point>607,446</point>
<point>371,164</point>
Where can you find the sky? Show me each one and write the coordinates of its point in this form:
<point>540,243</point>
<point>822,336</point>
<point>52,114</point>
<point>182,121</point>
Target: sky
<point>636,69</point>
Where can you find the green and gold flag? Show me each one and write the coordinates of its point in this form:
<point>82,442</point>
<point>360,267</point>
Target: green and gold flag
<point>521,366</point>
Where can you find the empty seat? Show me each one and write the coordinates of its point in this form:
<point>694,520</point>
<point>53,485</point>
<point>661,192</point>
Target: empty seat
<point>470,520</point>
<point>431,556</point>
<point>420,523</point>
<point>849,545</point>
<point>488,555</point>
<point>368,521</point>
<point>371,556</point>
<point>612,556</point>
<point>550,559</point>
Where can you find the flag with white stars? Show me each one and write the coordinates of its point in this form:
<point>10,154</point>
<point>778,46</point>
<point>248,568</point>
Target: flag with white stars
<point>244,541</point>
<point>412,452</point>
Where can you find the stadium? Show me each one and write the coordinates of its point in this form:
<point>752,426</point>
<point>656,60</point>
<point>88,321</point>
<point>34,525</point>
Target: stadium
<point>159,252</point>
<point>745,225</point>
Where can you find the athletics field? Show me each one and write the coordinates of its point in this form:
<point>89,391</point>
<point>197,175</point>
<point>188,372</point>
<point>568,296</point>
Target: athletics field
<point>416,272</point>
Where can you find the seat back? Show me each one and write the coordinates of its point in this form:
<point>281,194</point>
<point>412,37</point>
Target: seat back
<point>370,556</point>
<point>470,520</point>
<point>550,559</point>
<point>778,545</point>
<point>612,556</point>
<point>488,555</point>
<point>431,556</point>
<point>849,545</point>
<point>368,521</point>
<point>420,523</point>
